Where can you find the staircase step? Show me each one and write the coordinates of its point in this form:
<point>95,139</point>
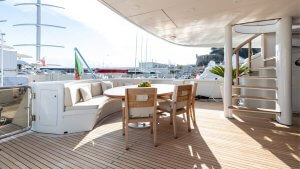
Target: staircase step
<point>265,68</point>
<point>255,87</point>
<point>258,77</point>
<point>296,42</point>
<point>254,97</point>
<point>256,110</point>
<point>270,58</point>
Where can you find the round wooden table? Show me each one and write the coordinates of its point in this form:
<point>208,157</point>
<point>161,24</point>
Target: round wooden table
<point>119,93</point>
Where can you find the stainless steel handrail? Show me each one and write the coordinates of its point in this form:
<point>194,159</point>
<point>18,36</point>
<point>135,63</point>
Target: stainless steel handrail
<point>12,87</point>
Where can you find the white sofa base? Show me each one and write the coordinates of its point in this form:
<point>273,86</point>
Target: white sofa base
<point>53,117</point>
<point>85,120</point>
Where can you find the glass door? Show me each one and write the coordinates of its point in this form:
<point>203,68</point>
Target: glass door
<point>15,110</point>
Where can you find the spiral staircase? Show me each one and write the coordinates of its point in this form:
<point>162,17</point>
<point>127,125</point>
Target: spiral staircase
<point>257,91</point>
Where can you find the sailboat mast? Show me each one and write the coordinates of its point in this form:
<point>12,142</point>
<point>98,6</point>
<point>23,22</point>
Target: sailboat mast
<point>2,60</point>
<point>141,65</point>
<point>136,46</point>
<point>38,31</point>
<point>38,26</point>
<point>146,52</point>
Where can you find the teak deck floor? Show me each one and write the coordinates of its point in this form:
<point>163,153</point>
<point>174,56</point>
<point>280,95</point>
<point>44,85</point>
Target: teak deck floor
<point>248,141</point>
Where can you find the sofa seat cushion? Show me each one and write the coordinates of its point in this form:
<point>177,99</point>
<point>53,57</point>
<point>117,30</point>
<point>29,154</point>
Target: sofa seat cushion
<point>167,105</point>
<point>95,103</point>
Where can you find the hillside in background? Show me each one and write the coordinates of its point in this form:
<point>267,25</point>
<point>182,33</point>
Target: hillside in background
<point>217,55</point>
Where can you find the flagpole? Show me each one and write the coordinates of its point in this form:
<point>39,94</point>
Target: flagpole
<point>88,67</point>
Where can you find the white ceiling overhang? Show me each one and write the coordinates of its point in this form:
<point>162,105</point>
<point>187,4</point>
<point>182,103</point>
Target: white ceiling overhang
<point>200,22</point>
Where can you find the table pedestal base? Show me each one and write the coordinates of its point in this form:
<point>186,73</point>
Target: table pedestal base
<point>139,125</point>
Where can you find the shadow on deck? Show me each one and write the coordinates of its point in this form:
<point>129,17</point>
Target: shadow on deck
<point>215,142</point>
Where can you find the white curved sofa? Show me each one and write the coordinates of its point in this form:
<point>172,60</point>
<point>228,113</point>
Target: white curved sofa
<point>59,107</point>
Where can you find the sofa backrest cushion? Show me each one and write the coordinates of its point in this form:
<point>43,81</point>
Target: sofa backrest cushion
<point>96,89</point>
<point>106,85</point>
<point>72,93</point>
<point>86,93</point>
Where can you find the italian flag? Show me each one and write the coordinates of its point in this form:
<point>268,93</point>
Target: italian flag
<point>78,67</point>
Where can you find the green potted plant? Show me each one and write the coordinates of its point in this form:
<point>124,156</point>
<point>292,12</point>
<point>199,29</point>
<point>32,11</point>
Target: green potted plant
<point>220,71</point>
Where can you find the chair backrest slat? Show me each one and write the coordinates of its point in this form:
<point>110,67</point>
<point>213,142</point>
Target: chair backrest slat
<point>141,104</point>
<point>140,90</point>
<point>182,98</point>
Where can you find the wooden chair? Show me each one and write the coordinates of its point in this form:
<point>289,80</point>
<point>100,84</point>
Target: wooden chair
<point>180,104</point>
<point>193,111</point>
<point>140,106</point>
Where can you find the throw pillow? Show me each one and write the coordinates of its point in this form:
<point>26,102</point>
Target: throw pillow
<point>85,93</point>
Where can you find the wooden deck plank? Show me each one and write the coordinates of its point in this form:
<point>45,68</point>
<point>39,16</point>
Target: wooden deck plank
<point>55,154</point>
<point>106,146</point>
<point>15,162</point>
<point>5,163</point>
<point>25,160</point>
<point>74,156</point>
<point>119,152</point>
<point>37,160</point>
<point>51,160</point>
<point>105,160</point>
<point>248,141</point>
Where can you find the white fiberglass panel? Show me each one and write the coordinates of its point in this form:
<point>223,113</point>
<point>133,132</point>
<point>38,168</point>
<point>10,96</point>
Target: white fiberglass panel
<point>48,107</point>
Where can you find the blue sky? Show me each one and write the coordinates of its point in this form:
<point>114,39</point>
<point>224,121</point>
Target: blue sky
<point>103,37</point>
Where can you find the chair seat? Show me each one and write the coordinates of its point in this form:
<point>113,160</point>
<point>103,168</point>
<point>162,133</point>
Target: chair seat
<point>140,112</point>
<point>167,105</point>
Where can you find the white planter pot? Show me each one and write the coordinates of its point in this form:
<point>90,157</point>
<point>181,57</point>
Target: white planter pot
<point>222,90</point>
